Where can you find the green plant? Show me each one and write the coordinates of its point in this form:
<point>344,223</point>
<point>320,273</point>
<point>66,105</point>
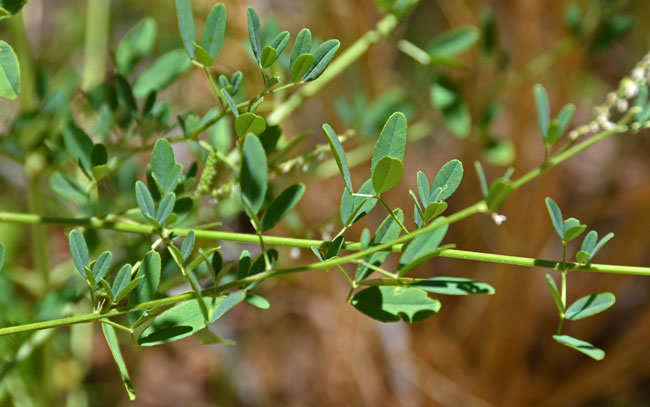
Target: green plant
<point>243,169</point>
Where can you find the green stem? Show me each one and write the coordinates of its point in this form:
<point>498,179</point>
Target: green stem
<point>96,45</point>
<point>381,30</point>
<point>116,325</point>
<point>28,99</point>
<point>392,214</point>
<point>346,276</point>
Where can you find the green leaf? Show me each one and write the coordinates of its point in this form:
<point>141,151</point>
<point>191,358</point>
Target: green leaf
<point>322,58</point>
<point>9,72</point>
<point>481,179</point>
<point>186,25</point>
<point>12,7</point>
<point>445,96</point>
<point>79,251</point>
<point>78,145</point>
<point>178,322</point>
<point>564,118</point>
<point>144,199</point>
<point>188,245</point>
<point>300,67</point>
<point>581,346</point>
<point>244,265</point>
<point>2,256</point>
<point>135,44</point>
<point>601,243</point>
<point>448,179</point>
<point>390,304</point>
<point>222,307</point>
<point>434,209</point>
<point>354,208</point>
<point>572,229</point>
<point>555,293</point>
<point>230,102</point>
<point>215,30</point>
<point>454,286</point>
<point>280,41</point>
<point>102,265</point>
<point>146,289</point>
<point>282,205</point>
<point>161,73</point>
<point>339,155</point>
<point>391,141</point>
<point>301,46</point>
<point>269,55</point>
<point>387,231</point>
<point>583,256</point>
<point>202,55</point>
<point>556,217</point>
<point>334,247</point>
<point>249,123</point>
<point>498,192</point>
<point>589,305</point>
<point>114,346</point>
<point>257,301</point>
<point>130,286</point>
<point>122,278</point>
<point>387,174</point>
<point>421,249</point>
<point>68,188</point>
<point>543,110</point>
<point>424,190</point>
<point>454,41</point>
<point>165,208</point>
<point>164,169</point>
<point>253,178</point>
<point>254,33</point>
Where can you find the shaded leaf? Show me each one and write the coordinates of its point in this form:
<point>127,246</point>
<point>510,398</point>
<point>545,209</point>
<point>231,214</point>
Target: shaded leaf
<point>254,33</point>
<point>334,247</point>
<point>391,141</point>
<point>556,217</point>
<point>257,301</point>
<point>79,251</point>
<point>454,286</point>
<point>322,58</point>
<point>543,110</point>
<point>301,46</point>
<point>300,66</point>
<point>354,208</point>
<point>215,30</point>
<point>454,41</point>
<point>68,188</point>
<point>249,123</point>
<point>339,155</point>
<point>146,289</point>
<point>178,322</point>
<point>186,26</point>
<point>161,73</point>
<point>387,231</point>
<point>387,174</point>
<point>114,346</point>
<point>145,200</point>
<point>390,304</point>
<point>253,178</point>
<point>555,293</point>
<point>589,305</point>
<point>581,346</point>
<point>281,205</point>
<point>421,248</point>
<point>448,179</point>
<point>135,44</point>
<point>9,72</point>
<point>78,145</point>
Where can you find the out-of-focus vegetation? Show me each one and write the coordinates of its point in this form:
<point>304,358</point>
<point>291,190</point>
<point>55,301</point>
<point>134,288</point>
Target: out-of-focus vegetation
<point>462,72</point>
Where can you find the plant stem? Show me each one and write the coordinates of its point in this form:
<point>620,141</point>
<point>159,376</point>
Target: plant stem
<point>28,99</point>
<point>381,30</point>
<point>392,214</point>
<point>96,45</point>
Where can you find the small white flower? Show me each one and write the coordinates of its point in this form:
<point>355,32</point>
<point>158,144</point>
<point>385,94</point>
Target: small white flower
<point>612,98</point>
<point>593,127</point>
<point>608,125</point>
<point>573,134</point>
<point>621,105</point>
<point>498,219</point>
<point>305,168</point>
<point>295,253</point>
<point>326,236</point>
<point>637,74</point>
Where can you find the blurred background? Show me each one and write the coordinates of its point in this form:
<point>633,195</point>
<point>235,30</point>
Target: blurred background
<point>311,348</point>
